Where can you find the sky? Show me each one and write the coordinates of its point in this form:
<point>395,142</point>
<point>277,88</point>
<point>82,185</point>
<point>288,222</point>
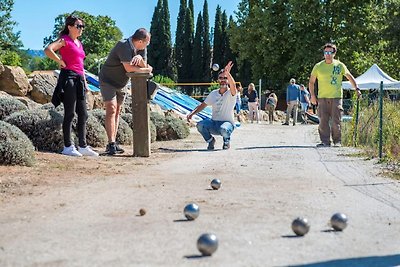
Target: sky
<point>36,18</point>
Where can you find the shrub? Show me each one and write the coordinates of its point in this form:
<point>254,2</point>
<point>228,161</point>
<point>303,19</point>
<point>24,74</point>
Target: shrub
<point>124,133</point>
<point>178,128</point>
<point>15,147</point>
<point>9,105</point>
<point>161,125</point>
<point>43,128</point>
<point>153,131</point>
<point>169,127</point>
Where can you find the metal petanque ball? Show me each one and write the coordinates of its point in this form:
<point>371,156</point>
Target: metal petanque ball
<point>215,67</point>
<point>207,244</point>
<point>191,211</point>
<point>339,221</point>
<point>300,226</point>
<point>216,184</point>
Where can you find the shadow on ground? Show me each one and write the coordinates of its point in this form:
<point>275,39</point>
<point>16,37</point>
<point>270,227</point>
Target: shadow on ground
<point>381,261</point>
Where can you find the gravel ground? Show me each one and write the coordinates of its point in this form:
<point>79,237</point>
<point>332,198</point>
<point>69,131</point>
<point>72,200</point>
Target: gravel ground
<point>85,211</point>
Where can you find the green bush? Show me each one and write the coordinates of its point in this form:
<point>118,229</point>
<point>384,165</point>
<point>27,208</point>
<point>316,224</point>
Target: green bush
<point>124,133</point>
<point>9,105</point>
<point>15,147</point>
<point>177,127</point>
<point>169,127</point>
<point>153,131</point>
<point>43,128</point>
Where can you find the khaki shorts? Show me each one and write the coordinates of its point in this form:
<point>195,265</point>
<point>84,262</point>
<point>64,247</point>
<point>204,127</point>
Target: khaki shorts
<point>109,92</point>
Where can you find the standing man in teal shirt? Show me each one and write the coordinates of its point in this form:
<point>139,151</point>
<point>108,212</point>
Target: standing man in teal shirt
<point>329,73</point>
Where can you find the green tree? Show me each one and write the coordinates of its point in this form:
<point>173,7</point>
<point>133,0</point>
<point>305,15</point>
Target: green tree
<point>99,37</point>
<point>180,39</point>
<point>187,52</point>
<point>160,48</point>
<point>206,49</point>
<point>8,39</point>
<point>197,51</point>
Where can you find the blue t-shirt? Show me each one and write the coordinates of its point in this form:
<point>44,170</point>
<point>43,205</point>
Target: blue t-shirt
<point>303,95</point>
<point>293,93</point>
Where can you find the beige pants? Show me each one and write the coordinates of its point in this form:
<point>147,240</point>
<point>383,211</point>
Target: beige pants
<point>292,107</point>
<point>253,109</point>
<point>271,111</point>
<point>330,117</point>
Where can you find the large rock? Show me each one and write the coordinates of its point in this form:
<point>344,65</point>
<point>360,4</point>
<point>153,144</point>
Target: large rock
<point>14,81</point>
<point>1,67</point>
<point>43,85</point>
<point>28,102</point>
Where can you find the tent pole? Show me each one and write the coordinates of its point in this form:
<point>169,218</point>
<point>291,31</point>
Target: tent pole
<point>356,123</point>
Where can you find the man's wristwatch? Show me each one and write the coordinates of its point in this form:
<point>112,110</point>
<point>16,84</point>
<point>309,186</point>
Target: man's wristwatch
<point>358,89</point>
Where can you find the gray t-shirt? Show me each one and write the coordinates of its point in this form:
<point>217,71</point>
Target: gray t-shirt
<point>113,72</point>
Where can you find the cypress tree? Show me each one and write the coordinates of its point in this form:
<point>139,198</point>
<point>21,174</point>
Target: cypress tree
<point>206,62</point>
<point>218,50</point>
<point>187,50</point>
<point>224,39</point>
<point>167,57</point>
<point>191,7</point>
<point>197,50</point>
<point>154,51</point>
<point>180,39</point>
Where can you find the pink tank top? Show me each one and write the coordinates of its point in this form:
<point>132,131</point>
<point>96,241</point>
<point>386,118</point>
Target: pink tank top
<point>73,55</point>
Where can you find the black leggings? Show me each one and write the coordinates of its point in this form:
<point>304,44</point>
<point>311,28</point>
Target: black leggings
<point>72,104</point>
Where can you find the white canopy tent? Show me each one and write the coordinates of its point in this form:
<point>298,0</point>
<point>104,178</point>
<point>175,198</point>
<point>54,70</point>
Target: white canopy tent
<point>371,79</point>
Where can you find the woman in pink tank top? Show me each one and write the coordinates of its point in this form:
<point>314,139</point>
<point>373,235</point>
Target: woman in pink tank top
<point>71,85</point>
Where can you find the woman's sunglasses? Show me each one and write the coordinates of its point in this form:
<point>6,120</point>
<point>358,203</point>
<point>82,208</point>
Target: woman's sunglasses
<point>79,26</point>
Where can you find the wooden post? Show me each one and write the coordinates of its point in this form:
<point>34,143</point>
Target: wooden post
<point>140,114</point>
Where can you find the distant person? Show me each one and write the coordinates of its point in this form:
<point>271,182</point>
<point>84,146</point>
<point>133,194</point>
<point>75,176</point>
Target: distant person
<point>270,106</point>
<point>222,101</point>
<point>252,96</point>
<point>304,102</point>
<point>238,104</point>
<point>292,100</point>
<point>329,73</point>
<point>71,86</point>
<point>128,55</point>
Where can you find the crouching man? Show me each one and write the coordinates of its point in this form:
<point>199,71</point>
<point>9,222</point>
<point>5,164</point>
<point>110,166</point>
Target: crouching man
<point>223,101</point>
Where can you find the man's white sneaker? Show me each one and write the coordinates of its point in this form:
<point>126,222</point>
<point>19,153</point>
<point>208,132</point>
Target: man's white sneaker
<point>87,151</point>
<point>71,151</point>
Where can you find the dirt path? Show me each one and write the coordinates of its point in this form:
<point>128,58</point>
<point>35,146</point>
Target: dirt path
<point>84,212</point>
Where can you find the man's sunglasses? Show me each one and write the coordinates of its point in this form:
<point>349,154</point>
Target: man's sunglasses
<point>79,26</point>
<point>223,78</point>
<point>328,53</point>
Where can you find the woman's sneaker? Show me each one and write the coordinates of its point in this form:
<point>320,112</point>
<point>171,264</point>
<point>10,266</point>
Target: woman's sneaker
<point>71,151</point>
<point>87,151</point>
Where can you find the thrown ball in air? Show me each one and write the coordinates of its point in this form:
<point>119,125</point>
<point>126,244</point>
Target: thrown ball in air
<point>191,211</point>
<point>215,67</point>
<point>300,226</point>
<point>207,244</point>
<point>215,184</point>
<point>339,221</point>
